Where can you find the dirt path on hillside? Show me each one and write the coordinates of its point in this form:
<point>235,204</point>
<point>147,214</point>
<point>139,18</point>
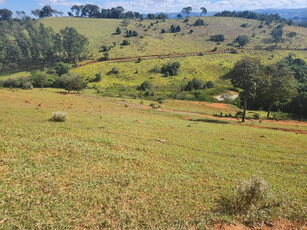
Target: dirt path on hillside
<point>186,113</point>
<point>174,55</point>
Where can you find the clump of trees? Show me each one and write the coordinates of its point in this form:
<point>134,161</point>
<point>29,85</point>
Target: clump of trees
<point>125,43</point>
<point>217,38</point>
<point>281,86</point>
<point>267,18</point>
<point>26,41</point>
<point>131,33</point>
<point>170,69</point>
<point>46,12</point>
<point>198,84</point>
<point>242,40</point>
<point>146,86</point>
<point>175,29</point>
<point>187,10</point>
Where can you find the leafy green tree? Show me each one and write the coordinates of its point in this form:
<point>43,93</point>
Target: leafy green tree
<point>146,85</point>
<point>170,69</point>
<point>199,22</point>
<point>277,34</point>
<point>38,78</point>
<point>280,86</point>
<point>187,10</point>
<point>62,68</point>
<point>195,84</point>
<point>242,40</point>
<point>246,75</point>
<point>118,30</point>
<point>203,11</point>
<point>71,82</point>
<point>179,16</point>
<point>5,14</point>
<point>74,44</point>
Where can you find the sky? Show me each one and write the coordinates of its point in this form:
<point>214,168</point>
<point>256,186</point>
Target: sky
<point>153,6</point>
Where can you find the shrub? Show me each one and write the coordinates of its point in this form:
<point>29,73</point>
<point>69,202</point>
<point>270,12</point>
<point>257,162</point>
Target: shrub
<point>234,51</point>
<point>191,31</point>
<point>242,40</point>
<point>27,85</point>
<point>251,201</point>
<point>186,20</point>
<point>214,49</point>
<point>170,69</point>
<point>146,85</point>
<point>195,84</point>
<point>59,116</point>
<point>163,31</point>
<point>256,116</point>
<point>130,33</point>
<point>105,48</point>
<point>217,38</point>
<point>125,43</point>
<point>71,82</point>
<point>62,68</point>
<point>156,69</point>
<point>245,25</point>
<point>291,34</point>
<point>114,70</point>
<point>199,22</point>
<point>118,30</point>
<point>260,26</point>
<point>98,77</point>
<point>209,85</point>
<point>175,29</point>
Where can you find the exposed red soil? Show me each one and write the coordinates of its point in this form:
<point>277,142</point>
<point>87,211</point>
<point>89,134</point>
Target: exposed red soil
<point>280,129</point>
<point>29,102</point>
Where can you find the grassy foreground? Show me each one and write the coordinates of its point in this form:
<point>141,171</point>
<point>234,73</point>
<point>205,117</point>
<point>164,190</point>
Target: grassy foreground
<point>102,169</point>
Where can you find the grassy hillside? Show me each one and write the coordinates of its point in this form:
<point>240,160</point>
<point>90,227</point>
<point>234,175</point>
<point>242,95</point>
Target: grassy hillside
<point>94,29</point>
<point>209,68</point>
<point>102,169</point>
<point>151,41</point>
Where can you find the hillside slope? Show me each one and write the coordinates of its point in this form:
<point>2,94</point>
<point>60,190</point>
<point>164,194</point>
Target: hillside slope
<point>150,40</point>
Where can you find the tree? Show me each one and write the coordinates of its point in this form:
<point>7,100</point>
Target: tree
<point>38,78</point>
<point>203,11</point>
<point>75,44</point>
<point>217,38</point>
<point>146,85</point>
<point>277,34</point>
<point>62,68</point>
<point>151,16</point>
<point>170,69</point>
<point>5,14</point>
<point>187,10</point>
<point>242,40</point>
<point>118,30</point>
<point>246,75</point>
<point>36,13</point>
<point>280,85</point>
<point>71,82</point>
<point>76,9</point>
<point>179,16</point>
<point>195,84</point>
<point>47,11</point>
<point>199,22</point>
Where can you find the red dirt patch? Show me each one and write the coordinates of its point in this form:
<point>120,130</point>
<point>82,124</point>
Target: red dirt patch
<point>41,105</point>
<point>29,102</point>
<point>280,129</point>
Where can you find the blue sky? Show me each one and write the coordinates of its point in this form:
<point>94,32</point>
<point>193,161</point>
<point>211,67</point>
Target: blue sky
<point>147,6</point>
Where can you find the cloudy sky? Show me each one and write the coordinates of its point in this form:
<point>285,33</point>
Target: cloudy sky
<point>148,6</point>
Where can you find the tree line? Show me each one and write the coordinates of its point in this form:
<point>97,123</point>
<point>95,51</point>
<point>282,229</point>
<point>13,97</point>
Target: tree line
<point>282,86</point>
<point>25,41</point>
<point>267,18</point>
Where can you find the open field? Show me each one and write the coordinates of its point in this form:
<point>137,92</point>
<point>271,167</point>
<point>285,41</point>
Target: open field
<point>111,166</point>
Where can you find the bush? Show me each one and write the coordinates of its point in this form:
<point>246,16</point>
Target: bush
<point>242,40</point>
<point>256,116</point>
<point>130,33</point>
<point>156,69</point>
<point>217,38</point>
<point>234,51</point>
<point>199,22</point>
<point>98,77</point>
<point>245,25</point>
<point>59,116</point>
<point>163,31</point>
<point>105,48</point>
<point>186,20</point>
<point>209,85</point>
<point>27,85</point>
<point>291,34</point>
<point>125,43</point>
<point>195,84</point>
<point>260,26</point>
<point>170,69</point>
<point>191,31</point>
<point>118,30</point>
<point>251,201</point>
<point>62,68</point>
<point>146,85</point>
<point>71,82</point>
<point>114,71</point>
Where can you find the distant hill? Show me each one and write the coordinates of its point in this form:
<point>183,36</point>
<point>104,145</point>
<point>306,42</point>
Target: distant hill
<point>297,15</point>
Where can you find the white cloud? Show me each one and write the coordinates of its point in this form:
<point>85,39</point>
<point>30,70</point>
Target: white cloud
<point>1,1</point>
<point>176,5</point>
<point>58,3</point>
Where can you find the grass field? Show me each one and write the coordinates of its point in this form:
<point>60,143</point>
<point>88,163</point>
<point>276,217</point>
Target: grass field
<point>152,42</point>
<point>102,169</point>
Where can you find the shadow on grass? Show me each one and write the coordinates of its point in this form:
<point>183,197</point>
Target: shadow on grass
<point>211,121</point>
